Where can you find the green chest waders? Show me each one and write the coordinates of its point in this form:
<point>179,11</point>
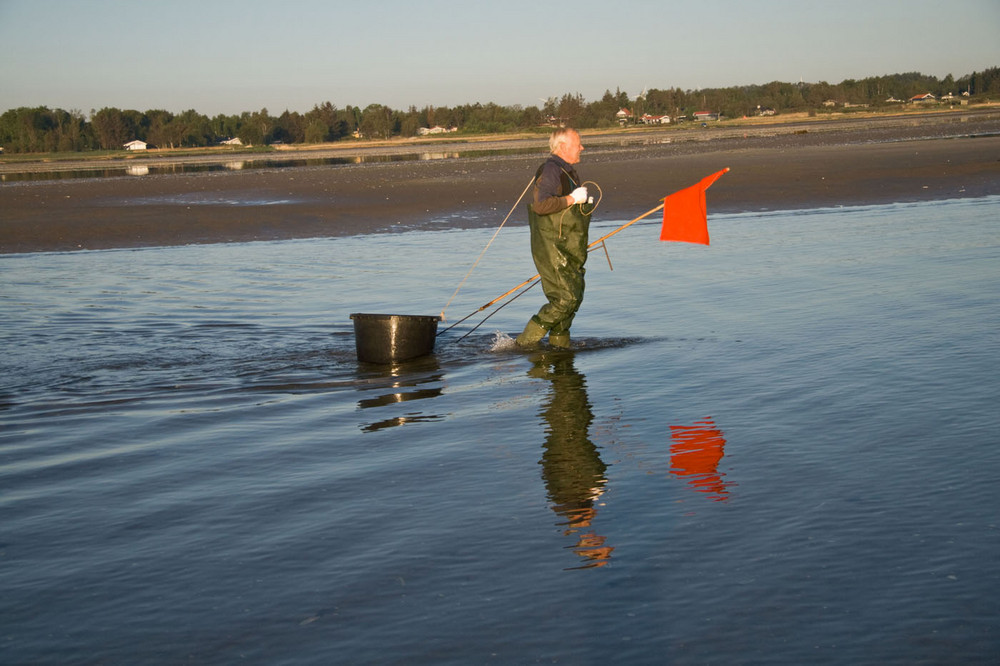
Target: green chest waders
<point>559,249</point>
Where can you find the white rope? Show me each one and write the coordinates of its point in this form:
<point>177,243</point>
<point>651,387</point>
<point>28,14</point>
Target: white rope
<point>495,234</point>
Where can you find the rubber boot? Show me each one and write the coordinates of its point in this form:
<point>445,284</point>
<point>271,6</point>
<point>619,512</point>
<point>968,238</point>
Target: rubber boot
<point>532,334</point>
<point>560,340</point>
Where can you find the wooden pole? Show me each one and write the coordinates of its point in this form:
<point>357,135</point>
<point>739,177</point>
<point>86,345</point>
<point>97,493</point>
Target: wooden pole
<point>627,224</point>
<point>595,243</point>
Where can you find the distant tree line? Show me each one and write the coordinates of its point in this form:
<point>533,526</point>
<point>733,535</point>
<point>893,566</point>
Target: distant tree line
<point>29,130</point>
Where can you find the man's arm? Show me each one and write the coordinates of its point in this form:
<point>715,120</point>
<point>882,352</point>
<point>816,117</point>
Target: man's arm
<point>548,191</point>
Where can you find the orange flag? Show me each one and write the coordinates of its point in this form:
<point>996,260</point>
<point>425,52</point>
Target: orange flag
<point>685,216</point>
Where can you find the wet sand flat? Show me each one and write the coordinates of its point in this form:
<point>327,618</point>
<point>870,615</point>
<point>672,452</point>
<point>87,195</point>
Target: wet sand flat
<point>769,171</point>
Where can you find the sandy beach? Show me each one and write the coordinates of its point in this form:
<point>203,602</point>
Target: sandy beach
<point>773,167</point>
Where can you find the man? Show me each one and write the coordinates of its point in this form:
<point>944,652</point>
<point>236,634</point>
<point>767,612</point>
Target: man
<point>559,217</point>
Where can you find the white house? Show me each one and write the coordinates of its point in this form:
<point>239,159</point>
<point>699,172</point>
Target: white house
<point>647,119</point>
<point>135,144</point>
<point>235,141</point>
<point>437,129</point>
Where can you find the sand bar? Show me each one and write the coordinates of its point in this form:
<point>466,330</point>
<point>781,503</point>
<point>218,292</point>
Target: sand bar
<point>780,167</point>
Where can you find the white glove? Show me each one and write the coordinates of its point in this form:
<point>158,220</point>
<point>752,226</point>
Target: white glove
<point>579,195</point>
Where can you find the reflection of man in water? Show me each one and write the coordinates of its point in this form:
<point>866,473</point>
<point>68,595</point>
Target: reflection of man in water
<point>572,468</point>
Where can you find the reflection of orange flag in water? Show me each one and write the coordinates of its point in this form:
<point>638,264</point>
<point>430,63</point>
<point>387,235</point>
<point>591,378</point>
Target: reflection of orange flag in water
<point>695,453</point>
<point>685,214</point>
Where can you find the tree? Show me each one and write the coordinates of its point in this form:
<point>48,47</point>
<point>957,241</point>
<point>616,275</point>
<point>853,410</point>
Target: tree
<point>316,131</point>
<point>255,127</point>
<point>192,129</point>
<point>71,130</point>
<point>22,130</point>
<point>325,122</point>
<point>549,108</point>
<point>411,121</point>
<point>42,129</point>
<point>159,128</point>
<point>289,127</point>
<point>570,109</point>
<point>984,83</point>
<point>531,117</point>
<point>112,127</point>
<point>248,132</point>
<point>606,108</point>
<point>225,127</point>
<point>378,121</point>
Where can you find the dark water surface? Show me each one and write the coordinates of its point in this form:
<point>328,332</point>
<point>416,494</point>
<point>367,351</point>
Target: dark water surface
<point>782,448</point>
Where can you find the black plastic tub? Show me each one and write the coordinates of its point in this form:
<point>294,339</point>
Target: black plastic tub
<point>390,338</point>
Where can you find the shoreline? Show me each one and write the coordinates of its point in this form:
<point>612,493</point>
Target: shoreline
<point>869,127</point>
<point>773,167</point>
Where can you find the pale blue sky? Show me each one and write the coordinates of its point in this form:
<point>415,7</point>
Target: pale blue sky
<point>228,56</point>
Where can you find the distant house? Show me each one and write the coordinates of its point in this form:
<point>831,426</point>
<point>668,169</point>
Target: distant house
<point>922,99</point>
<point>706,115</point>
<point>235,141</point>
<point>135,144</point>
<point>893,100</point>
<point>437,129</point>
<point>765,111</point>
<point>647,119</point>
<point>623,116</point>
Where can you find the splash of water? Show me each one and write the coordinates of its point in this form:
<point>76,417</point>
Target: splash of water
<point>502,342</point>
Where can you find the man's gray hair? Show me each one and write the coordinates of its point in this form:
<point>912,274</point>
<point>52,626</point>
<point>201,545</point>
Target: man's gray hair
<point>559,137</point>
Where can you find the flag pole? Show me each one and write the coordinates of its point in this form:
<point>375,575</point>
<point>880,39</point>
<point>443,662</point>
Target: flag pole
<point>627,224</point>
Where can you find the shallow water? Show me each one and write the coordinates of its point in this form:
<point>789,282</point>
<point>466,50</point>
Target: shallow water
<point>778,449</point>
<point>241,162</point>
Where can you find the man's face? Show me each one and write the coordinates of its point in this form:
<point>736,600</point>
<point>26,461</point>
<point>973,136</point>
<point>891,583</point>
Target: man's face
<point>571,148</point>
